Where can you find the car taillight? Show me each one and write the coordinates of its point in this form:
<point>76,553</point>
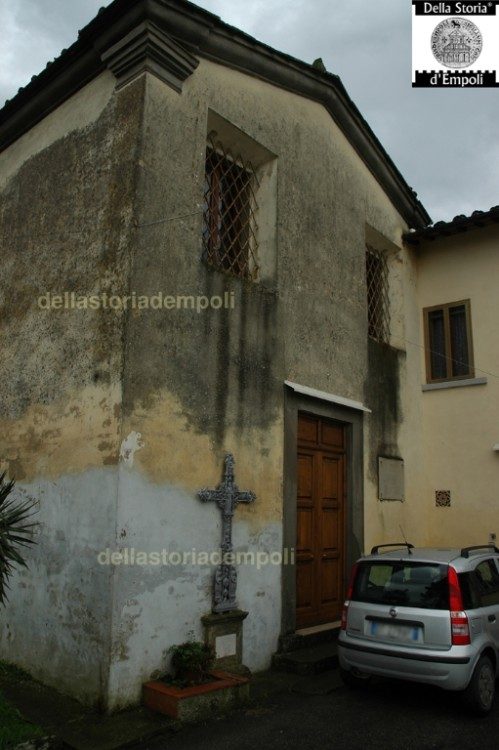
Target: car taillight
<point>459,625</point>
<point>344,615</point>
<point>344,611</point>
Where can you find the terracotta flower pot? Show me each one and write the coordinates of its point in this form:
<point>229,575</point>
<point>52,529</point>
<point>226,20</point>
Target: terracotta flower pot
<point>196,702</point>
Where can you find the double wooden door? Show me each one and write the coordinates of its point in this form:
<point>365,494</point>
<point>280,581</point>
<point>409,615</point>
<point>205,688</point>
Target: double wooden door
<point>321,499</point>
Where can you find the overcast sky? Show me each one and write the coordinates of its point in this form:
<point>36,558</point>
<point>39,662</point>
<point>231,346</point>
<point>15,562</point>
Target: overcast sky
<point>445,143</point>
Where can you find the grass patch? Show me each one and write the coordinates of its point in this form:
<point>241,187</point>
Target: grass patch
<point>12,672</point>
<point>13,728</point>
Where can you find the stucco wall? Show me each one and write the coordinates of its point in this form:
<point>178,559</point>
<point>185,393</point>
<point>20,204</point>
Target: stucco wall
<point>394,429</point>
<point>461,425</point>
<point>196,385</point>
<point>175,389</point>
<point>66,207</point>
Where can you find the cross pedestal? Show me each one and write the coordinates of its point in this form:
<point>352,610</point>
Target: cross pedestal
<point>224,632</point>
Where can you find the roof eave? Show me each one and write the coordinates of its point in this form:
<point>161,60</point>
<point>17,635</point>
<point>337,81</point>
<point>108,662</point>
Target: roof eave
<point>207,36</point>
<point>458,225</point>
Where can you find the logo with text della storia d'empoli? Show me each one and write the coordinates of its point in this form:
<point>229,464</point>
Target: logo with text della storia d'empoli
<point>456,42</point>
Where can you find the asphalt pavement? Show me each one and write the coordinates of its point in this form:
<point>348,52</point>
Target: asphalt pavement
<point>387,715</point>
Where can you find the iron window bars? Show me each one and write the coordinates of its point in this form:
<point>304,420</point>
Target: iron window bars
<point>229,223</point>
<point>378,310</point>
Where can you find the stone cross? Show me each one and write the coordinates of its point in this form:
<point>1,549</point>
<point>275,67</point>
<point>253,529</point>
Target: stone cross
<point>227,496</point>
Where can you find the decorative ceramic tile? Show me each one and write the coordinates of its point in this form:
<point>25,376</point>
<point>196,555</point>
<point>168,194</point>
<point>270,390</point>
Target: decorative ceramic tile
<point>442,498</point>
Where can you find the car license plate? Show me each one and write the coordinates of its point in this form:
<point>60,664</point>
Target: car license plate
<point>396,632</point>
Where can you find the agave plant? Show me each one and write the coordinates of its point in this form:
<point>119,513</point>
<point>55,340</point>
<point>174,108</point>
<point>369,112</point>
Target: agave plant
<point>15,532</point>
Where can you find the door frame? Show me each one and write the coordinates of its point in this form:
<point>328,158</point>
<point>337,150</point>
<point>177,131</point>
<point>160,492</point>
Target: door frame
<point>352,421</point>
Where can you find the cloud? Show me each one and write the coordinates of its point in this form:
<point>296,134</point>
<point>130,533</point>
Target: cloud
<point>444,142</point>
<point>34,32</point>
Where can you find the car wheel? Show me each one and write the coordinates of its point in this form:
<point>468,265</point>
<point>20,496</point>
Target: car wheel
<point>355,680</point>
<point>479,695</point>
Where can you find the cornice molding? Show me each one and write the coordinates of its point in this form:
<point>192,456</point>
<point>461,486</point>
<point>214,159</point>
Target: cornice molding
<point>148,49</point>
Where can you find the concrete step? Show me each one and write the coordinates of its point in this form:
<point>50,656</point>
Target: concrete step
<point>307,639</point>
<point>307,661</point>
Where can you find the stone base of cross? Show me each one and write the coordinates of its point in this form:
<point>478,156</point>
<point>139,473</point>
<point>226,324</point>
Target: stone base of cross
<point>227,496</point>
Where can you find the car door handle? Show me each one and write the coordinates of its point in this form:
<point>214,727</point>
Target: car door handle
<point>492,618</point>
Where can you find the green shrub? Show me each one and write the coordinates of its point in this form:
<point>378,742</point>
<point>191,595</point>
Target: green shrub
<point>192,661</point>
<point>13,728</point>
<point>15,532</point>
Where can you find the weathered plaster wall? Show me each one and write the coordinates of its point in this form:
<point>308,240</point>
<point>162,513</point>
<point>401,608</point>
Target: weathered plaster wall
<point>393,392</point>
<point>461,425</point>
<point>56,623</point>
<point>168,392</point>
<point>74,114</point>
<point>65,216</point>
<point>196,385</point>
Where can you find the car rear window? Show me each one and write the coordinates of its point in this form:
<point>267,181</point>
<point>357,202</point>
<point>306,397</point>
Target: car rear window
<point>403,583</point>
<point>480,587</point>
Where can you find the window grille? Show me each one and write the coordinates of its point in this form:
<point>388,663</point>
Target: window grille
<point>378,311</point>
<point>229,225</point>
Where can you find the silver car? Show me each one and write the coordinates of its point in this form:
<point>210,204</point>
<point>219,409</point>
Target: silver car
<point>425,615</point>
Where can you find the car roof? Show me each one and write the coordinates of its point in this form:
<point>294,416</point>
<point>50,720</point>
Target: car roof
<point>429,554</point>
<point>418,554</point>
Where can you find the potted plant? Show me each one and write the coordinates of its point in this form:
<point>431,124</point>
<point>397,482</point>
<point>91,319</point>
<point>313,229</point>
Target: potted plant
<point>192,662</point>
<point>195,691</point>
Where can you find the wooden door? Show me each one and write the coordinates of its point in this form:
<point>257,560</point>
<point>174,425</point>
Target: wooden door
<point>321,496</point>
